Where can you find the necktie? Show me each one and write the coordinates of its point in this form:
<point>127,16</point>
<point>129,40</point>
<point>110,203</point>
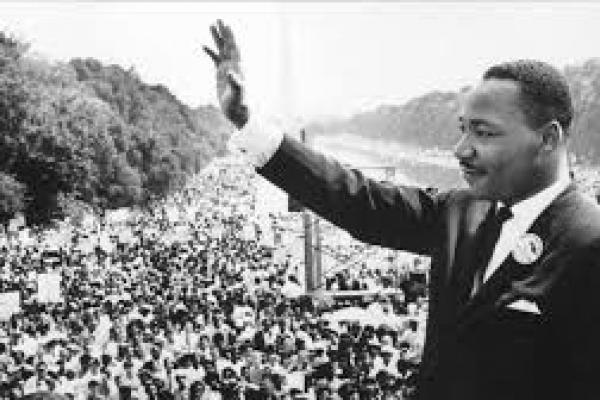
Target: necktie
<point>491,228</point>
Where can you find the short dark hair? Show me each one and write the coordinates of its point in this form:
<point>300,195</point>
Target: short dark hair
<point>545,92</point>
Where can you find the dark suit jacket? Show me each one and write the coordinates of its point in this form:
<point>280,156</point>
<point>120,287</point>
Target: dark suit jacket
<point>476,348</point>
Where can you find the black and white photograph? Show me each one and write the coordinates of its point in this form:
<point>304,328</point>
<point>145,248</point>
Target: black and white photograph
<point>299,200</point>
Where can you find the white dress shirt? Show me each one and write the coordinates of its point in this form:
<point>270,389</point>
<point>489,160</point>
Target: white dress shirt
<point>524,213</point>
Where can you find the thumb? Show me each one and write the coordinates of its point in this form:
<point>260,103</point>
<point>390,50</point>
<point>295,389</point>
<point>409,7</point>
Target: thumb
<point>212,55</point>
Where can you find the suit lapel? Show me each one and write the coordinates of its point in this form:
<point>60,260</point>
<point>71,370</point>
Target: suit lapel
<point>464,265</point>
<point>511,278</point>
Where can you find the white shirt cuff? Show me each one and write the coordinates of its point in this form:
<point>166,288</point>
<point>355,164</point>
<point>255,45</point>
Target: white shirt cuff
<point>257,141</point>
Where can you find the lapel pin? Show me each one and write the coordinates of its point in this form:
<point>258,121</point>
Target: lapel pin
<point>528,249</point>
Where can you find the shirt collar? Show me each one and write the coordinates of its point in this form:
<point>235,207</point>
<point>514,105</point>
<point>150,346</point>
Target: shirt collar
<point>529,209</point>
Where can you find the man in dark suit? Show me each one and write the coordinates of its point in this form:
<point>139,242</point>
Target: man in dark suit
<point>515,275</point>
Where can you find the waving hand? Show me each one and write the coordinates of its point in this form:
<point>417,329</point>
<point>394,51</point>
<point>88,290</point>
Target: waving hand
<point>230,81</point>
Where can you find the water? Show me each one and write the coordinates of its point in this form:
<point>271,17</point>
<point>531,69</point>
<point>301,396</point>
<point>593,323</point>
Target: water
<point>414,166</point>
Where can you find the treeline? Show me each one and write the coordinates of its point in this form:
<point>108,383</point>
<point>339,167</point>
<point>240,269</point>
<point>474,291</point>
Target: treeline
<point>85,133</point>
<point>431,120</point>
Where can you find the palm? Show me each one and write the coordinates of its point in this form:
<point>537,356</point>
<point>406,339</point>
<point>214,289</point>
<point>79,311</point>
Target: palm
<point>230,86</point>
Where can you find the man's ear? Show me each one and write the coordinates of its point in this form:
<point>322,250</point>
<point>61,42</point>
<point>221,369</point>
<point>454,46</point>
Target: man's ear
<point>552,135</point>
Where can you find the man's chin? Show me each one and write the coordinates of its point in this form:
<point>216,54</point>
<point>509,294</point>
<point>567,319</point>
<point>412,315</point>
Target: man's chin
<point>480,191</point>
<point>473,178</point>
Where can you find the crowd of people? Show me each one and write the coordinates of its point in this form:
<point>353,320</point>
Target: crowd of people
<point>198,298</point>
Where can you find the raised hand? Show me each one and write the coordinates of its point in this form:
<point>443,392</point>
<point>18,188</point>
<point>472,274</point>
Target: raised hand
<point>230,81</point>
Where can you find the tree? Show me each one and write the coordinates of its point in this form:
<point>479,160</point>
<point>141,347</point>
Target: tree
<point>85,133</point>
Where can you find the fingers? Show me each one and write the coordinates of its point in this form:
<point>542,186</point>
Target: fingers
<point>217,37</point>
<point>229,47</point>
<point>222,35</point>
<point>225,43</point>
<point>225,32</point>
<point>212,55</point>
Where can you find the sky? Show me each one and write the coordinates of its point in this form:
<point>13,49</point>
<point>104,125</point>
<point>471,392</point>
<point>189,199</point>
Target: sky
<point>306,60</point>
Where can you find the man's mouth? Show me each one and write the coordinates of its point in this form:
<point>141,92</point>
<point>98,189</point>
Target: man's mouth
<point>470,170</point>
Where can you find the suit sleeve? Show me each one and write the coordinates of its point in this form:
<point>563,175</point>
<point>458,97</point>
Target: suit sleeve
<point>398,217</point>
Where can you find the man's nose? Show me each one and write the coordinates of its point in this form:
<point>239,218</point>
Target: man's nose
<point>464,148</point>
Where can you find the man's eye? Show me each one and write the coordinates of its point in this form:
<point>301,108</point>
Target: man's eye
<point>483,133</point>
